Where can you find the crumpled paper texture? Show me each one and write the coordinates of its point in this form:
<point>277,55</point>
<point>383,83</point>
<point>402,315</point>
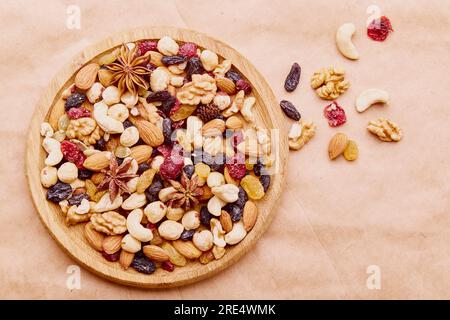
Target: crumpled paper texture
<point>390,208</point>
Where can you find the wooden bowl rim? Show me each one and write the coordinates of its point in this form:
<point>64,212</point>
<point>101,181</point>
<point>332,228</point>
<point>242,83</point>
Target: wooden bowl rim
<point>90,259</point>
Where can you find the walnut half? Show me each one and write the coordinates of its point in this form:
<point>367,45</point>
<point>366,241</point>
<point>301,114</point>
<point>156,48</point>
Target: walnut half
<point>110,223</point>
<point>329,83</point>
<point>201,89</point>
<point>385,130</point>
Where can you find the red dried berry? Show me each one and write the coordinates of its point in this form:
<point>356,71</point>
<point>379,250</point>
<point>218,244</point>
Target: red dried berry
<point>236,166</point>
<point>335,115</point>
<point>379,28</point>
<point>73,154</point>
<point>165,150</point>
<point>150,226</point>
<point>237,138</point>
<point>76,113</point>
<point>168,266</point>
<point>111,257</point>
<point>241,84</point>
<point>188,50</point>
<point>146,46</point>
<point>171,167</point>
<point>178,124</point>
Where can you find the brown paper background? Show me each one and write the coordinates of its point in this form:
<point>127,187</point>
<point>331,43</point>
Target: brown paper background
<point>390,208</point>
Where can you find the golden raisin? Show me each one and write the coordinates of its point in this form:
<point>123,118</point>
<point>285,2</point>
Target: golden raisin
<point>253,187</point>
<point>351,151</point>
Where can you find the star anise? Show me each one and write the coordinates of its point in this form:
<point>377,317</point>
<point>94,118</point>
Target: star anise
<point>187,191</point>
<point>129,70</point>
<point>116,178</point>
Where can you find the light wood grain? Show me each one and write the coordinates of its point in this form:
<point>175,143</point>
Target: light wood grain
<point>72,239</point>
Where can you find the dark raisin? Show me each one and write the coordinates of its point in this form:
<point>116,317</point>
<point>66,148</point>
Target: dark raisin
<point>258,169</point>
<point>151,197</point>
<point>293,78</point>
<point>194,66</point>
<point>84,174</point>
<point>158,96</point>
<point>241,84</point>
<point>197,156</point>
<point>290,110</point>
<point>143,167</point>
<point>143,264</point>
<point>167,130</point>
<point>242,198</point>
<point>187,235</point>
<point>152,192</point>
<point>168,266</point>
<point>111,257</point>
<point>189,170</point>
<point>75,200</point>
<point>233,75</point>
<point>101,144</point>
<point>170,60</point>
<point>167,105</point>
<point>127,123</point>
<point>205,216</point>
<point>75,100</point>
<point>235,212</point>
<point>59,192</point>
<point>265,181</point>
<point>119,161</point>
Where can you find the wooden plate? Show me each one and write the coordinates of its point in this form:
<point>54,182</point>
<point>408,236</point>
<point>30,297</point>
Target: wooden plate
<point>72,239</point>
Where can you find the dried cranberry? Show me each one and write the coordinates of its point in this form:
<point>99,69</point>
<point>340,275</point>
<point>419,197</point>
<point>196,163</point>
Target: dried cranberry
<point>178,124</point>
<point>233,75</point>
<point>59,192</point>
<point>335,115</point>
<point>75,100</point>
<point>171,167</point>
<point>75,200</point>
<point>187,235</point>
<point>72,153</point>
<point>293,78</point>
<point>143,264</point>
<point>290,110</point>
<point>379,29</point>
<point>236,166</point>
<point>167,265</point>
<point>237,138</point>
<point>171,60</point>
<point>167,130</point>
<point>165,150</point>
<point>241,84</point>
<point>158,96</point>
<point>146,46</point>
<point>77,113</point>
<point>188,50</point>
<point>111,257</point>
<point>194,66</point>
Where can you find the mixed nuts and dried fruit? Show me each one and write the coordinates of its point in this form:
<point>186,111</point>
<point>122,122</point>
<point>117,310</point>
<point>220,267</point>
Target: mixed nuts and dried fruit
<point>155,148</point>
<point>329,83</point>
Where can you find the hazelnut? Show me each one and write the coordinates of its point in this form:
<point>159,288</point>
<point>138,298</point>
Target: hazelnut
<point>209,59</point>
<point>111,95</point>
<point>191,220</point>
<point>68,172</point>
<point>167,46</point>
<point>170,230</point>
<point>203,240</point>
<point>155,211</point>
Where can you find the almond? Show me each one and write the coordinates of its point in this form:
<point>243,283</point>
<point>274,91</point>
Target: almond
<point>226,85</point>
<point>225,221</point>
<point>155,253</point>
<point>125,259</point>
<point>249,216</point>
<point>94,237</point>
<point>174,256</point>
<point>149,133</point>
<point>337,145</point>
<point>234,122</point>
<point>97,161</point>
<point>141,153</point>
<point>214,127</point>
<point>112,244</point>
<point>85,78</point>
<point>187,249</point>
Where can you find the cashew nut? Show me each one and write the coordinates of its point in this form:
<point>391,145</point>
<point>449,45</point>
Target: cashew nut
<point>236,234</point>
<point>105,203</point>
<point>247,111</point>
<point>227,192</point>
<point>53,148</point>
<point>222,100</point>
<point>134,201</point>
<point>84,207</point>
<point>215,205</point>
<point>344,41</point>
<point>218,233</point>
<point>135,228</point>
<point>369,97</point>
<point>46,130</point>
<point>107,123</point>
<point>209,60</point>
<point>131,244</point>
<point>132,184</point>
